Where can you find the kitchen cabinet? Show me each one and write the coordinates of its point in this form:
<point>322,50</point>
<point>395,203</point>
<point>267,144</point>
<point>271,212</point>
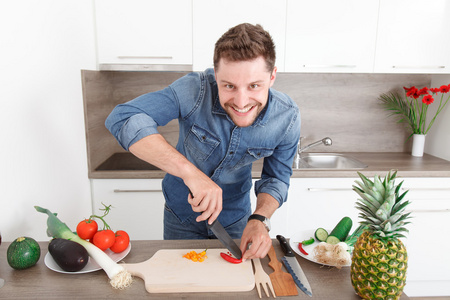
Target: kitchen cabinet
<point>212,18</point>
<point>413,37</point>
<point>320,202</point>
<point>137,206</point>
<point>144,34</point>
<point>349,36</point>
<point>331,36</point>
<point>427,242</point>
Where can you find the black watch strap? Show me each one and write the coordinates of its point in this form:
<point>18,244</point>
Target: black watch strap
<point>261,218</point>
<point>256,217</point>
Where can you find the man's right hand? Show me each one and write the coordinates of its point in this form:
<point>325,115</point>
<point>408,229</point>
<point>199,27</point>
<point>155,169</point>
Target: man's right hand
<point>206,199</point>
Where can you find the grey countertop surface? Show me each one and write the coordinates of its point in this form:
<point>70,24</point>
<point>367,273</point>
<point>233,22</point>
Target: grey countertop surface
<point>117,167</point>
<point>39,282</point>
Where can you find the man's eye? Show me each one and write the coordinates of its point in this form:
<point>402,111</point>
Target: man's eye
<point>229,86</point>
<point>254,86</point>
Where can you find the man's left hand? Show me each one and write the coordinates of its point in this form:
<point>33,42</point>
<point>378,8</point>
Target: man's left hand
<point>256,234</point>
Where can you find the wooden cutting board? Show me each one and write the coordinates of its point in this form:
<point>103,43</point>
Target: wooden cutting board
<point>169,272</point>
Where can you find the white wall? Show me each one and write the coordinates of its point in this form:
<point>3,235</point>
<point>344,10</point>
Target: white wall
<point>438,138</point>
<point>43,46</point>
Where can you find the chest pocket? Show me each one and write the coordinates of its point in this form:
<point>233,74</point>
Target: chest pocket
<point>200,143</point>
<point>253,154</point>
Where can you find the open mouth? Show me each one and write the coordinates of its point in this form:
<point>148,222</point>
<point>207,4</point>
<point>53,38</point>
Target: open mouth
<point>244,110</point>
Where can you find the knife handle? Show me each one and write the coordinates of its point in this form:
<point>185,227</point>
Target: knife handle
<point>285,246</point>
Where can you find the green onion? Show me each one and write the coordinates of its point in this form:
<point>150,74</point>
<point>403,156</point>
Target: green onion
<point>119,277</point>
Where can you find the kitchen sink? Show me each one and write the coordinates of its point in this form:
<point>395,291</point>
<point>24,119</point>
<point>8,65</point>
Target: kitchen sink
<point>332,161</point>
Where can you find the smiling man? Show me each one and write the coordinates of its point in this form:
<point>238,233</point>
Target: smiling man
<point>228,117</point>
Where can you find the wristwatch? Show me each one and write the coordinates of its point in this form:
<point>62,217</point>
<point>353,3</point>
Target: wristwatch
<point>261,218</point>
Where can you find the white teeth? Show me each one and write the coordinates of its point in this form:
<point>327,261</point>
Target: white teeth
<point>243,110</point>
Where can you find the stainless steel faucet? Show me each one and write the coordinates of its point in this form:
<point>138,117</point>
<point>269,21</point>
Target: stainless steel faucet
<point>298,160</point>
<point>326,141</point>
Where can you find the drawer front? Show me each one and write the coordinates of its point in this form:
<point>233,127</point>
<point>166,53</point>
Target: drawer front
<point>137,206</point>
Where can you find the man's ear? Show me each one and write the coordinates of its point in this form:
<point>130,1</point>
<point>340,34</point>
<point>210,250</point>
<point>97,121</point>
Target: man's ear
<point>273,76</point>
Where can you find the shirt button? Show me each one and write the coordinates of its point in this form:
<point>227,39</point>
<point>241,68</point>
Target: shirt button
<point>231,152</point>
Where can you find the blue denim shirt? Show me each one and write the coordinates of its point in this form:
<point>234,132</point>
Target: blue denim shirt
<point>213,143</point>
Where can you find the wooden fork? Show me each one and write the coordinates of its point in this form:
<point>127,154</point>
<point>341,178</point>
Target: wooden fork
<point>261,278</point>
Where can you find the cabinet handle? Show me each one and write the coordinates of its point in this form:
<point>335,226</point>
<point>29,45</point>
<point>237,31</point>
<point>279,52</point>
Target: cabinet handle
<point>329,66</point>
<point>136,191</point>
<point>429,210</point>
<point>425,189</point>
<point>145,57</point>
<point>327,189</point>
<point>418,67</point>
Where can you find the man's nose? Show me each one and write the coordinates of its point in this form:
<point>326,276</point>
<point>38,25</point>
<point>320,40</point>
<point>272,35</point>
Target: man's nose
<point>241,99</point>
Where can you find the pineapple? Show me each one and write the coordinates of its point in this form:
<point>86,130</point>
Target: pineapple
<point>380,260</point>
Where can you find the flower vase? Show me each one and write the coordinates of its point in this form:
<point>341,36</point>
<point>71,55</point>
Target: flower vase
<point>418,145</point>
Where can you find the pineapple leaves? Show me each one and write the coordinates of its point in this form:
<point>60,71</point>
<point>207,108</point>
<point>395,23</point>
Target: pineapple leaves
<point>382,206</point>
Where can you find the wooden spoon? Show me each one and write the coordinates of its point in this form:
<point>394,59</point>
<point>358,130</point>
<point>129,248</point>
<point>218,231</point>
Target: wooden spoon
<point>282,282</point>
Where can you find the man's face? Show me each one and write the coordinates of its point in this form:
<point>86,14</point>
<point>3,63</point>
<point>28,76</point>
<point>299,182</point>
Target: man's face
<point>244,88</point>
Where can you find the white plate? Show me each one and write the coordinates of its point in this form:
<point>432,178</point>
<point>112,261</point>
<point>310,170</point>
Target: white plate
<point>91,266</point>
<point>306,235</point>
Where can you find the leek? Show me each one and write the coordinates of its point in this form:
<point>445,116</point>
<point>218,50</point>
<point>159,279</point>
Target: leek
<point>119,277</point>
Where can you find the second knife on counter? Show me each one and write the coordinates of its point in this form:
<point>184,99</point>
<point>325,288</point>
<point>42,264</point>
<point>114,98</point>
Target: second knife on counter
<point>292,265</point>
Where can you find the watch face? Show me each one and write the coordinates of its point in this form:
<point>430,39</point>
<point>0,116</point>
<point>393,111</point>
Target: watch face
<point>267,224</point>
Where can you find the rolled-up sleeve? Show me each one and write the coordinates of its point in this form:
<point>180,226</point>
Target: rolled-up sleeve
<point>131,121</point>
<point>274,187</point>
<point>277,169</point>
<point>136,128</point>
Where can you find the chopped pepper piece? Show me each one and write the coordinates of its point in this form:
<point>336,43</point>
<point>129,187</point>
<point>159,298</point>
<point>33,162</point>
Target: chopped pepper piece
<point>196,257</point>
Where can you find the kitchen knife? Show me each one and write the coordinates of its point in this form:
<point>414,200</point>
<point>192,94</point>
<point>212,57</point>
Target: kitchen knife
<point>292,265</point>
<point>225,238</point>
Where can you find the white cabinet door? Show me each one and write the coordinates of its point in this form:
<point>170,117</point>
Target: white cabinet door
<point>212,18</point>
<point>320,202</point>
<point>331,36</point>
<point>427,243</point>
<point>413,37</point>
<point>143,32</point>
<point>137,206</point>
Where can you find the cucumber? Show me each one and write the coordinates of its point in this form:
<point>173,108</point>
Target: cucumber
<point>321,234</point>
<point>332,240</point>
<point>342,229</point>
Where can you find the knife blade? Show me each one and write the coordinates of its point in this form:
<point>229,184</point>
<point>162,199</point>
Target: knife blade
<point>225,238</point>
<point>293,267</point>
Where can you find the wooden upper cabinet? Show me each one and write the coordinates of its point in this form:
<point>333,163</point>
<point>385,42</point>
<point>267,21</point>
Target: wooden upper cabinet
<point>413,37</point>
<point>331,36</point>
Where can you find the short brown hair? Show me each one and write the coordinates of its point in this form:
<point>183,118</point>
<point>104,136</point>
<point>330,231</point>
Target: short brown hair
<point>245,42</point>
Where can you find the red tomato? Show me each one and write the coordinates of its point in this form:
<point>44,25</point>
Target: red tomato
<point>86,229</point>
<point>121,243</point>
<point>104,239</point>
